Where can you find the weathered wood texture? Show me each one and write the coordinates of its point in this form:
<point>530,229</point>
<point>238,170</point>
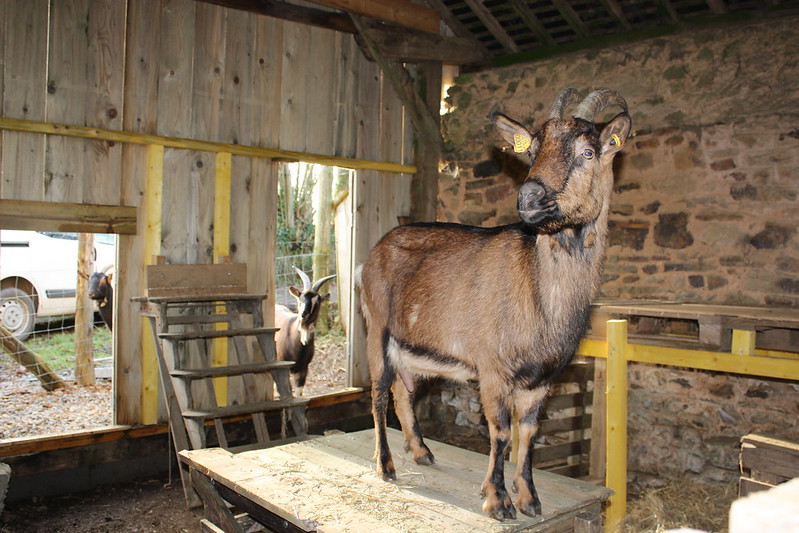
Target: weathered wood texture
<point>190,70</point>
<point>329,484</point>
<point>767,462</point>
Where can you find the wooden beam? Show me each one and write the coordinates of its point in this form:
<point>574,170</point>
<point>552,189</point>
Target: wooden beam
<point>532,22</point>
<point>717,7</point>
<point>615,9</point>
<point>281,10</point>
<point>450,20</point>
<point>402,12</point>
<point>83,132</point>
<point>493,25</point>
<point>413,46</point>
<point>73,218</point>
<point>425,125</point>
<point>572,18</point>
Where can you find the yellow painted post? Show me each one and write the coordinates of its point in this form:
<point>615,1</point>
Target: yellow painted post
<point>221,249</point>
<point>152,248</point>
<point>616,420</point>
<point>743,342</point>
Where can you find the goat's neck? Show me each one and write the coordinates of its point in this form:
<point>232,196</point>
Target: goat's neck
<point>306,332</point>
<point>570,266</point>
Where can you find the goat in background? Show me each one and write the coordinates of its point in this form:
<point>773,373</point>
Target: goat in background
<point>507,305</point>
<point>101,290</point>
<point>295,339</point>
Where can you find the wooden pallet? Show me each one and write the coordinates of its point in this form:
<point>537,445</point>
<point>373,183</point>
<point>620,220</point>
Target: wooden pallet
<point>767,462</point>
<point>698,326</point>
<point>329,484</point>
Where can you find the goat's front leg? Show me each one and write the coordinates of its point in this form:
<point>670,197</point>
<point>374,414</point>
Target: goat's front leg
<point>403,406</point>
<point>497,502</point>
<point>528,407</point>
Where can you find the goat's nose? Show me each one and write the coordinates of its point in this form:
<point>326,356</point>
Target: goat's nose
<point>530,195</point>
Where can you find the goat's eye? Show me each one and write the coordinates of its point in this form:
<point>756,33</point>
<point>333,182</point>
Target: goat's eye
<point>588,153</point>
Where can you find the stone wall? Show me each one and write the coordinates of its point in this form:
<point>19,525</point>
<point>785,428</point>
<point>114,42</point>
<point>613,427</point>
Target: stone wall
<point>706,203</point>
<point>705,209</point>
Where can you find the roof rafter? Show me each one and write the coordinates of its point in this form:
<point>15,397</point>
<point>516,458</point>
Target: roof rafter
<point>493,26</point>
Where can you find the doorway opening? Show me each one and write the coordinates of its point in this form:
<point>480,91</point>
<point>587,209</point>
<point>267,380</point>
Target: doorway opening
<point>56,365</point>
<point>314,236</point>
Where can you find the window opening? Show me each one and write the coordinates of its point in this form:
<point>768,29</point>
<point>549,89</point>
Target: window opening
<point>39,302</point>
<point>314,236</point>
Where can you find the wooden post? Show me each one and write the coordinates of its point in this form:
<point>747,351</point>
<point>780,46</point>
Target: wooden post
<point>321,242</point>
<point>743,342</point>
<point>32,361</point>
<point>424,186</point>
<point>616,432</point>
<point>222,177</point>
<point>152,248</point>
<point>84,314</point>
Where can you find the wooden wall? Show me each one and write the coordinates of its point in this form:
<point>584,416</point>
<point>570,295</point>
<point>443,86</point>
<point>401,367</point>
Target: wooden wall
<point>180,68</point>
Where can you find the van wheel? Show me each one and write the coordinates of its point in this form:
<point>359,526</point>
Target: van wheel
<point>17,314</point>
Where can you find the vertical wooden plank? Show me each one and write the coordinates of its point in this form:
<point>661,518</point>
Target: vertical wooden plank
<point>294,86</point>
<point>141,115</point>
<point>175,119</point>
<point>320,76</point>
<point>26,27</point>
<point>105,77</point>
<point>208,73</point>
<point>152,247</point>
<point>66,99</point>
<point>175,74</point>
<point>616,418</point>
<point>366,215</point>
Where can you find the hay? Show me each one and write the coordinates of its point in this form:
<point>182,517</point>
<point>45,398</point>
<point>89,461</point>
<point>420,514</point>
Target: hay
<point>681,503</point>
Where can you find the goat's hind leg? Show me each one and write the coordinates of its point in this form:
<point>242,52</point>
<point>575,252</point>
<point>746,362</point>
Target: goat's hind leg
<point>403,406</point>
<point>528,407</point>
<point>383,375</point>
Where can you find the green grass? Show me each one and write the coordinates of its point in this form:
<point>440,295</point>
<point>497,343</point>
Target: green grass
<point>58,348</point>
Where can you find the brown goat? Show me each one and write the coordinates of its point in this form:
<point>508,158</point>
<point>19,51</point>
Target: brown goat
<point>294,341</point>
<point>507,305</point>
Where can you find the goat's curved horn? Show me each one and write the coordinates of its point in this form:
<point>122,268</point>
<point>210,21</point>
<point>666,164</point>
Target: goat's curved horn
<point>318,284</point>
<point>597,101</point>
<point>566,97</point>
<point>306,281</point>
<point>106,269</point>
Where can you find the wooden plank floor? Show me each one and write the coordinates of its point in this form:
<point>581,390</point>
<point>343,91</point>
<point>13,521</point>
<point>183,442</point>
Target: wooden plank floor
<point>330,482</point>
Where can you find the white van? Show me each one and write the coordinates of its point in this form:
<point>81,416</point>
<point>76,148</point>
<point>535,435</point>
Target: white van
<point>39,276</point>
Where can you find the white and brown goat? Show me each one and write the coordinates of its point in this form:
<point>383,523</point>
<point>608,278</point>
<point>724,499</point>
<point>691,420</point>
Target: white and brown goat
<point>295,339</point>
<point>507,305</point>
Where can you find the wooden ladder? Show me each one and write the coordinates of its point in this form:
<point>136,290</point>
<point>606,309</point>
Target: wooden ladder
<point>189,308</point>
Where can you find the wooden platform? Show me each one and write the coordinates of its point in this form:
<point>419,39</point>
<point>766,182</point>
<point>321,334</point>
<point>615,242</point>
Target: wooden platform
<point>329,484</point>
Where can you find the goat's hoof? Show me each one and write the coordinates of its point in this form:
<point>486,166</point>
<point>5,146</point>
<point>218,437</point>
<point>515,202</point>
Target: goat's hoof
<point>388,474</point>
<point>500,509</point>
<point>531,508</point>
<point>426,459</point>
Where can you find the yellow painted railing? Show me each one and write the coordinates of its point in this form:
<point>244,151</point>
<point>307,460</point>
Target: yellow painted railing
<point>743,358</point>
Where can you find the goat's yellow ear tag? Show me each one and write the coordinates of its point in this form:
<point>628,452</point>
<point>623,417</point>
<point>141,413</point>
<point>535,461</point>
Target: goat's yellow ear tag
<point>616,140</point>
<point>521,142</point>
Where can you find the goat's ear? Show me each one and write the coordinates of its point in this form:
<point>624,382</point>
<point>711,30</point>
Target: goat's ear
<point>615,134</point>
<point>514,133</point>
<point>295,291</point>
